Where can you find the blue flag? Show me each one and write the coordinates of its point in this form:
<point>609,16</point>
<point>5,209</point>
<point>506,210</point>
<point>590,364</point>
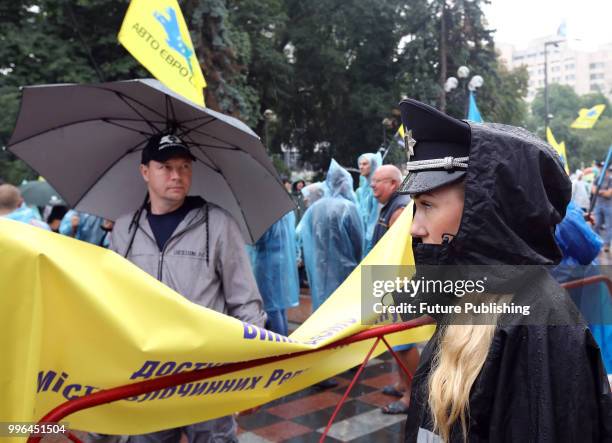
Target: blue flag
<point>473,112</point>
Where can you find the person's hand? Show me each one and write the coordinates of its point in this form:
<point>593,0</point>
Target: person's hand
<point>588,217</point>
<point>74,223</point>
<point>107,225</point>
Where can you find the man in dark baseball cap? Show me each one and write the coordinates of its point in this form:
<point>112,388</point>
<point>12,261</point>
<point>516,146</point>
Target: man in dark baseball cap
<point>437,147</point>
<point>162,147</point>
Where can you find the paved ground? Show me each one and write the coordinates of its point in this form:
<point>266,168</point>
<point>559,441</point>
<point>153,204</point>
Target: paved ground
<point>301,417</point>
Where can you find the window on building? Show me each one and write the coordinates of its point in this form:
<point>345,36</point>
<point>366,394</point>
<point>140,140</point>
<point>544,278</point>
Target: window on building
<point>596,65</point>
<point>570,77</point>
<point>570,66</point>
<point>597,76</point>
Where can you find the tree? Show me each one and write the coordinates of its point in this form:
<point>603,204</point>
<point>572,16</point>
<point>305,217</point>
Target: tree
<point>331,70</point>
<point>583,145</point>
<point>59,41</point>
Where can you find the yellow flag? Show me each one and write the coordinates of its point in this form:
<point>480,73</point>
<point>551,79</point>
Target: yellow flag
<point>155,33</point>
<point>588,117</point>
<point>400,131</point>
<point>77,318</point>
<point>559,147</point>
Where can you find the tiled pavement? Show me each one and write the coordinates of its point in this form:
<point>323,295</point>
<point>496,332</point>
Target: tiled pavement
<point>302,417</point>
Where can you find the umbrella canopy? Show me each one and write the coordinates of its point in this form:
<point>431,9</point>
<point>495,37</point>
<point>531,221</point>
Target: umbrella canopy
<point>86,140</point>
<point>39,193</point>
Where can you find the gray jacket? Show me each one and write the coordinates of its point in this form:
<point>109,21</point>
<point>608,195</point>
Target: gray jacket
<point>224,282</point>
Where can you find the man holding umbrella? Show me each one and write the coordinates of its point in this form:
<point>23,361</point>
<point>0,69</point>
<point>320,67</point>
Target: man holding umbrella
<point>192,246</point>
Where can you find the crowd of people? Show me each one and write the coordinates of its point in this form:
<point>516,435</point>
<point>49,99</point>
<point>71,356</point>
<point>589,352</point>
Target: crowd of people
<point>476,380</point>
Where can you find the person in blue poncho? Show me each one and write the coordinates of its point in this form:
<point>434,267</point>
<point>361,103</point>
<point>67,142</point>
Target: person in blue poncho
<point>85,227</point>
<point>580,246</point>
<point>331,235</point>
<point>13,207</point>
<point>368,205</point>
<point>274,262</point>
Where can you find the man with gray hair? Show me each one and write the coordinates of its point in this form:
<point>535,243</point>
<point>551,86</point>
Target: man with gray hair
<point>12,207</point>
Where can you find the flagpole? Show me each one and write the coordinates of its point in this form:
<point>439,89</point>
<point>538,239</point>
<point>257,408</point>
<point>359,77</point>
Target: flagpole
<point>600,181</point>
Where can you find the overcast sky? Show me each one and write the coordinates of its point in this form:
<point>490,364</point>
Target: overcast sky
<point>518,21</point>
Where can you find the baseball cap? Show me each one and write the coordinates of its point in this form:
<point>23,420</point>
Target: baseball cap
<point>162,147</point>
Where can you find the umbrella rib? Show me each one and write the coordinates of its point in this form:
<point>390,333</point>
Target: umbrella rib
<point>217,168</point>
<point>111,122</point>
<point>124,99</point>
<point>217,139</point>
<point>67,125</point>
<point>233,192</point>
<point>240,149</point>
<point>201,145</point>
<point>169,103</point>
<point>213,168</point>
<point>188,130</point>
<point>212,119</point>
<point>129,151</point>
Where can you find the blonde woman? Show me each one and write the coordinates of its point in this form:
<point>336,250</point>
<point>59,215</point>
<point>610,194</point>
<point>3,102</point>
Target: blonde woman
<point>491,195</point>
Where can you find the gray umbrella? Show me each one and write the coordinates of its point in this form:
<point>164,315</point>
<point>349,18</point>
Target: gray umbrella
<point>86,140</point>
<point>40,193</point>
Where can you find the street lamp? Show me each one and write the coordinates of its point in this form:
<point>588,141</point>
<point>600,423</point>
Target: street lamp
<point>475,82</point>
<point>547,116</point>
<point>269,117</point>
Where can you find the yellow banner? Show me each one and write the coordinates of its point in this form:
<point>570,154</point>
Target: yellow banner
<point>559,147</point>
<point>155,33</point>
<point>588,117</point>
<point>77,318</point>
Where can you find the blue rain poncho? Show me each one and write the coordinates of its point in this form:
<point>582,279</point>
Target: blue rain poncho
<point>28,215</point>
<point>274,262</point>
<point>368,205</point>
<point>331,235</point>
<point>313,192</point>
<point>580,246</point>
<point>89,229</point>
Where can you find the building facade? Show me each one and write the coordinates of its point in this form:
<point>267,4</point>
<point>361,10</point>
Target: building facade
<point>584,70</point>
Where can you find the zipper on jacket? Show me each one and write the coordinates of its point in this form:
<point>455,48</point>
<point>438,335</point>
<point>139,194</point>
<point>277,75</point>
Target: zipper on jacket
<point>163,251</point>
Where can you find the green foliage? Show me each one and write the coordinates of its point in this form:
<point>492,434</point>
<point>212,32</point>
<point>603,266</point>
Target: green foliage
<point>56,41</point>
<point>331,70</point>
<point>583,145</point>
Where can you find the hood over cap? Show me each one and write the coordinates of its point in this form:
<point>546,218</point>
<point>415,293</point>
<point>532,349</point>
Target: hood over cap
<point>516,191</point>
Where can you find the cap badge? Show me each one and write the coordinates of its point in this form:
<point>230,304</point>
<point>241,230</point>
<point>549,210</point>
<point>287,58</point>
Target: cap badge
<point>410,143</point>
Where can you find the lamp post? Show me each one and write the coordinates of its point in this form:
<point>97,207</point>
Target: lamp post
<point>547,115</point>
<point>269,117</point>
<point>475,82</point>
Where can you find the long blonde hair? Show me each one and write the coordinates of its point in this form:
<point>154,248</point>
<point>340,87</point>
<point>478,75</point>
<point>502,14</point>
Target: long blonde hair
<point>458,361</point>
